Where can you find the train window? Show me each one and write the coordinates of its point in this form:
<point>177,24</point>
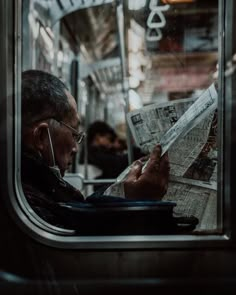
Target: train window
<point>153,70</point>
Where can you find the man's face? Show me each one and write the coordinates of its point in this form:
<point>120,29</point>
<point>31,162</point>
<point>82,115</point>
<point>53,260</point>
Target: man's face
<point>64,144</point>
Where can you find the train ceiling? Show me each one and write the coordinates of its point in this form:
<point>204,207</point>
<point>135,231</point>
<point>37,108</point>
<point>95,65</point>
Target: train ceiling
<point>91,27</point>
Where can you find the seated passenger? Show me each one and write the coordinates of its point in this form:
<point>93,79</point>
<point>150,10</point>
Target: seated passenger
<point>103,151</point>
<point>51,138</point>
<point>120,145</point>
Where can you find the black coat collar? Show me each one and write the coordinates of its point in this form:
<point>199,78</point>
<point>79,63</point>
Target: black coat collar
<point>38,175</point>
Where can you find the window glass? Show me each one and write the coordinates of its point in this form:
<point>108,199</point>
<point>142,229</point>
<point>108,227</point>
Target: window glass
<point>157,61</point>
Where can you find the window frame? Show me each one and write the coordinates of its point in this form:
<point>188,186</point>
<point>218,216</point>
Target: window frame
<point>34,226</point>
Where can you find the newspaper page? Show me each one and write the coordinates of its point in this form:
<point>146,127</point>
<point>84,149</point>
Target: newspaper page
<point>186,128</point>
<point>165,123</point>
<point>194,198</point>
<point>185,150</point>
<point>185,123</point>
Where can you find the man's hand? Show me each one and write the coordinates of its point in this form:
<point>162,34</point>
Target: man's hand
<point>153,182</point>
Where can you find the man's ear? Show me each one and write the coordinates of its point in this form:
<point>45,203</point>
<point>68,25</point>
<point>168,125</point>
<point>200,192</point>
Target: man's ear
<point>40,137</point>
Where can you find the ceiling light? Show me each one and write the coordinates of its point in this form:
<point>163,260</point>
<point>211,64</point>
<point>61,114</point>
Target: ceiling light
<point>136,4</point>
<point>48,41</point>
<point>133,82</point>
<point>135,100</point>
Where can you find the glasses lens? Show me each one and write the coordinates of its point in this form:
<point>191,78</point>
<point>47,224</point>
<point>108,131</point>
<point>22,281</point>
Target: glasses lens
<point>77,136</point>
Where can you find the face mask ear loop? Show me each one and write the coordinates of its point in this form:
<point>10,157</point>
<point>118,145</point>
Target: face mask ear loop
<point>55,169</point>
<point>51,148</point>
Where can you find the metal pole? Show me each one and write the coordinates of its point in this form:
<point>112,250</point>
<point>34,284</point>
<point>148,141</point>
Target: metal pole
<point>56,32</point>
<point>125,84</point>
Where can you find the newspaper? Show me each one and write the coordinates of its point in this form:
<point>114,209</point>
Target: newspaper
<point>183,128</point>
<point>185,123</point>
<point>194,198</point>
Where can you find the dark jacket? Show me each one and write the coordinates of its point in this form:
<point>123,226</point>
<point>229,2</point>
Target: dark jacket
<point>60,204</point>
<point>45,192</point>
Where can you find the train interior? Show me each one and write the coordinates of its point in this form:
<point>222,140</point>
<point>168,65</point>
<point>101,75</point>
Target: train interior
<point>120,57</point>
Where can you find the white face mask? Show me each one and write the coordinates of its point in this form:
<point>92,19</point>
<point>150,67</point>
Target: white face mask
<point>55,169</point>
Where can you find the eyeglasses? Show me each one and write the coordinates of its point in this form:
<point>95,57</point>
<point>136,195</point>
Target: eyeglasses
<point>78,136</point>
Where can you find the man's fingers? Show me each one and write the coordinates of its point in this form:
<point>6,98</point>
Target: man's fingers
<point>153,164</point>
<point>164,165</point>
<point>144,159</point>
<point>153,182</point>
<point>156,153</point>
<point>135,172</point>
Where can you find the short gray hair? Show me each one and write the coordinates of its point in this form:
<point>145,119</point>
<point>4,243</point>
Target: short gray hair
<point>43,97</point>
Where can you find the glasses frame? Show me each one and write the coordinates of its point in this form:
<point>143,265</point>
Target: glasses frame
<point>78,136</point>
